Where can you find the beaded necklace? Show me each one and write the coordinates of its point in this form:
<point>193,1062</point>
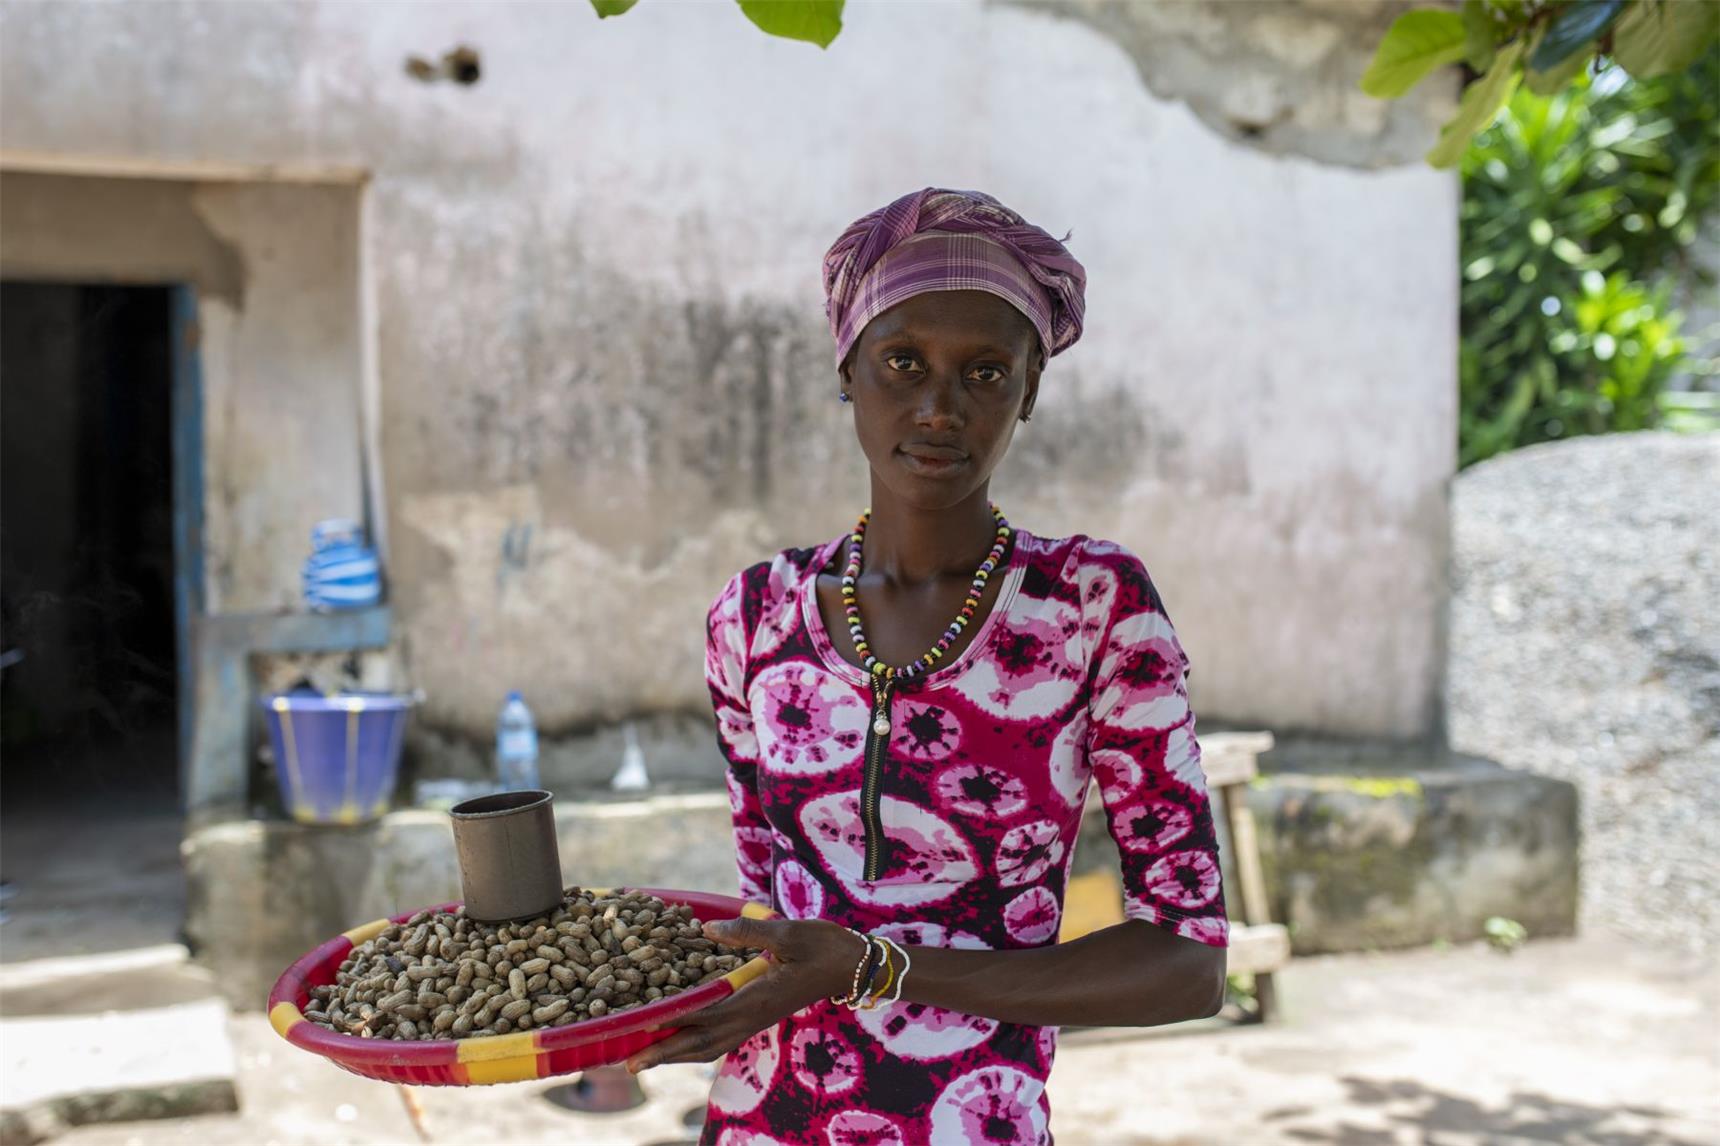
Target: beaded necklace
<point>970,606</point>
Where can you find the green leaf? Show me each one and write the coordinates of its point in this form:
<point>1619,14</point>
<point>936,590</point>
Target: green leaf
<point>1553,80</point>
<point>815,21</point>
<point>1658,38</point>
<point>1417,43</point>
<point>1578,24</point>
<point>1480,35</point>
<point>1481,102</point>
<point>608,8</point>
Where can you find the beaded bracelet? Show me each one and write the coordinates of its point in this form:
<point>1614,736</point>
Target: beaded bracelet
<point>878,964</point>
<point>863,971</point>
<point>907,962</point>
<point>871,1002</point>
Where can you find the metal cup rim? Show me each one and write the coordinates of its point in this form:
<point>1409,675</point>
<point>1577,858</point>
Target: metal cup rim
<point>473,808</point>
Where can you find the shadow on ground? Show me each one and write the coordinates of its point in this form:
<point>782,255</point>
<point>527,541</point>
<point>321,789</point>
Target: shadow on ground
<point>1523,1118</point>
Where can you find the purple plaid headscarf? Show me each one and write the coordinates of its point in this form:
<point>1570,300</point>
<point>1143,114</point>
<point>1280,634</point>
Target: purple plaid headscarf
<point>951,240</point>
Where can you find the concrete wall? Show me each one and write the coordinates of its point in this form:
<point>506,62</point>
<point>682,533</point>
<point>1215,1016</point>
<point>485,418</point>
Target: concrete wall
<point>605,379</point>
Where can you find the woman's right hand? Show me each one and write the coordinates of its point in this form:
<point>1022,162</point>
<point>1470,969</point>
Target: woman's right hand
<point>811,959</point>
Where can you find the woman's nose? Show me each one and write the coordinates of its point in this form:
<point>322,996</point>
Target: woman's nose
<point>940,403</point>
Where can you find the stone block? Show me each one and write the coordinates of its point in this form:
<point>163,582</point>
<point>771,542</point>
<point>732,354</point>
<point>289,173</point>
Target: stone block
<point>1369,845</point>
<point>1384,846</point>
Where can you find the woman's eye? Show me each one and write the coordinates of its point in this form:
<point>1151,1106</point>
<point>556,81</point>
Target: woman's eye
<point>900,362</point>
<point>989,374</point>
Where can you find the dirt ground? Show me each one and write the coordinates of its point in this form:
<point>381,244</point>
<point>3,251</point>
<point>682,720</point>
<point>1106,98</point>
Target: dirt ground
<point>1591,1042</point>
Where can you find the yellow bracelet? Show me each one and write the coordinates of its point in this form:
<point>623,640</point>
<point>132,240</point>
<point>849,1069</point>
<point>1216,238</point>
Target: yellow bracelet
<point>907,964</point>
<point>871,1001</point>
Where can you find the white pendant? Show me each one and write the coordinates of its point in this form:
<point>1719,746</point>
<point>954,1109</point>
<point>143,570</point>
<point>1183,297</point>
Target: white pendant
<point>881,726</point>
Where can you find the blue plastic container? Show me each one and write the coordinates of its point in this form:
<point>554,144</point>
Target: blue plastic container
<point>342,572</point>
<point>337,757</point>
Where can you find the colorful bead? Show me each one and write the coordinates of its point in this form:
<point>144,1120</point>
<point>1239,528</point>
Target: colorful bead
<point>970,604</point>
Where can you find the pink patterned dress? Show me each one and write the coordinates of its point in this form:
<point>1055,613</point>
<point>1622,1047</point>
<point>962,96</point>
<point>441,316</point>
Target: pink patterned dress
<point>956,829</point>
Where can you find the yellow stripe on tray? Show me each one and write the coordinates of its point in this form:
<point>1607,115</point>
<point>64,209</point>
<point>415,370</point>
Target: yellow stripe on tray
<point>747,972</point>
<point>284,1017</point>
<point>367,932</point>
<point>754,967</point>
<point>505,1058</point>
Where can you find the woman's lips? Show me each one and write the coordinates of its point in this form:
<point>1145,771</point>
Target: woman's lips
<point>932,461</point>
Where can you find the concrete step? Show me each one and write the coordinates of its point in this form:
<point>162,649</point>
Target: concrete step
<point>116,1037</point>
<point>145,977</point>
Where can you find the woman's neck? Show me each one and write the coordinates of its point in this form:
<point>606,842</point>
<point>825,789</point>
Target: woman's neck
<point>910,546</point>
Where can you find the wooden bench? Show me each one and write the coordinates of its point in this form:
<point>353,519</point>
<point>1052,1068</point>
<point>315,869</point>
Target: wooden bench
<point>1258,946</point>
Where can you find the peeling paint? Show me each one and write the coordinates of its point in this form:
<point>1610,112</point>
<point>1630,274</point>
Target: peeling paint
<point>1278,75</point>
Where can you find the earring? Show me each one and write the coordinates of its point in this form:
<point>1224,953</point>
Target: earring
<point>1027,416</point>
<point>842,396</point>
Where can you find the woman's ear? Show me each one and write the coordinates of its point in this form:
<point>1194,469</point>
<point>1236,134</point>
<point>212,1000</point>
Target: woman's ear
<point>845,379</point>
<point>1032,393</point>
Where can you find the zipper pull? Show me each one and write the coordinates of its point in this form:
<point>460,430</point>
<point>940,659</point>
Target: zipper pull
<point>881,713</point>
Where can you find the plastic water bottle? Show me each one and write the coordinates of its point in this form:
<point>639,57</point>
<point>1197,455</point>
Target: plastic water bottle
<point>631,776</point>
<point>516,746</point>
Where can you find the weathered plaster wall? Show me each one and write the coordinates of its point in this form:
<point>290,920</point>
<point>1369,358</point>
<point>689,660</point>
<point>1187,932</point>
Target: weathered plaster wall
<point>275,267</point>
<point>605,377</point>
<point>1279,74</point>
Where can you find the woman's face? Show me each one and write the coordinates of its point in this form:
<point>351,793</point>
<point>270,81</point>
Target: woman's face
<point>938,384</point>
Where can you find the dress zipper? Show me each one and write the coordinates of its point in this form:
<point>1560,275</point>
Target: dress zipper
<point>877,744</point>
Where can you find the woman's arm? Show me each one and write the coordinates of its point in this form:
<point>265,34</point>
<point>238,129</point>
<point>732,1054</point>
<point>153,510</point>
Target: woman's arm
<point>1131,974</point>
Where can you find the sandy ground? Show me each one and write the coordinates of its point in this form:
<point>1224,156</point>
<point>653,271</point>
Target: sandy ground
<point>1592,1042</point>
<point>92,852</point>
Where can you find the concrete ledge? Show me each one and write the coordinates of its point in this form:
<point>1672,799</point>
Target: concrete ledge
<point>260,894</point>
<point>111,981</point>
<point>1363,847</point>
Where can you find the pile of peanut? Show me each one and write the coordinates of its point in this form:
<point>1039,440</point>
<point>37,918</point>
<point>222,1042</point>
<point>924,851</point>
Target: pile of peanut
<point>444,976</point>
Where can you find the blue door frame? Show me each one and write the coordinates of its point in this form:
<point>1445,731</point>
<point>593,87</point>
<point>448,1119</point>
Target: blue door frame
<point>188,585</point>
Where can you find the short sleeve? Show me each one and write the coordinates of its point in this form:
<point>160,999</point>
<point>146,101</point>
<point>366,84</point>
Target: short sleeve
<point>726,641</point>
<point>1146,761</point>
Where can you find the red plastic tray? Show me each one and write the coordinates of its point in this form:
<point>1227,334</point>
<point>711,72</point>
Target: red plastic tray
<point>505,1058</point>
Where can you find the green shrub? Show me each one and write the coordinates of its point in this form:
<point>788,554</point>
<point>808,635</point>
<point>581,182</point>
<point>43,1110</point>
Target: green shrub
<point>1579,210</point>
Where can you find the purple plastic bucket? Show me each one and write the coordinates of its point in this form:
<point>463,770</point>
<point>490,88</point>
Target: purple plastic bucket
<point>337,757</point>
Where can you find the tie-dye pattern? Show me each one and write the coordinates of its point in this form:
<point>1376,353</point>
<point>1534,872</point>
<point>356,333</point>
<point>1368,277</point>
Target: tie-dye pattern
<point>1075,677</point>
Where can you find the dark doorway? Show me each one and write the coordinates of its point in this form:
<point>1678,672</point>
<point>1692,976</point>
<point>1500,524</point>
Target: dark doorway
<point>89,690</point>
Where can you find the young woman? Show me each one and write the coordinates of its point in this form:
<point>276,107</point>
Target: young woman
<point>912,714</point>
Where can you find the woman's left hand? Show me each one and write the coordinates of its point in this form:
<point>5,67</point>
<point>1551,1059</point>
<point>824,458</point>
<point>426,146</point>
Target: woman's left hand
<point>813,959</point>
